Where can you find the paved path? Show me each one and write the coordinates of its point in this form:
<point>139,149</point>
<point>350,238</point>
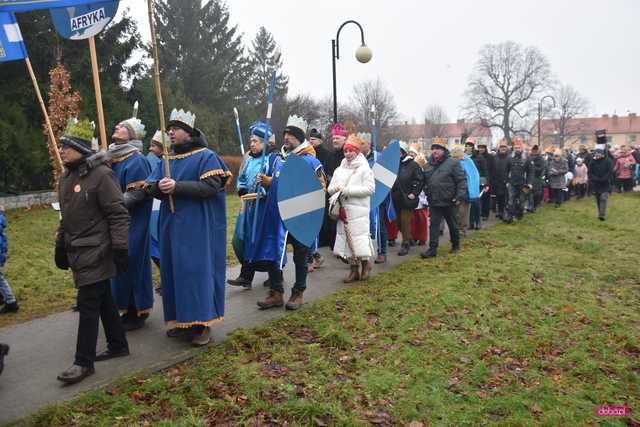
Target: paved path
<point>42,348</point>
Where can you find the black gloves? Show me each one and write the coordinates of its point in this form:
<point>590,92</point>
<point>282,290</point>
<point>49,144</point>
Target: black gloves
<point>121,259</point>
<point>62,262</point>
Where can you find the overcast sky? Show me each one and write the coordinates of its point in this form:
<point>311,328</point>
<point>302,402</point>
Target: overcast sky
<point>425,50</point>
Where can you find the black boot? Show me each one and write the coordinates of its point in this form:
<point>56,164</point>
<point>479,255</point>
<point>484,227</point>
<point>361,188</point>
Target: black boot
<point>10,308</point>
<point>431,253</point>
<point>240,281</point>
<point>404,250</point>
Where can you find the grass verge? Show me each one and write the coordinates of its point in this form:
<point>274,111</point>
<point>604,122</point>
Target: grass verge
<point>534,323</point>
<point>40,287</point>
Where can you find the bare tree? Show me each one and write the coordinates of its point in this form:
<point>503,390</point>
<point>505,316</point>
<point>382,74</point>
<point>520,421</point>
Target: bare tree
<point>570,104</point>
<point>435,118</point>
<point>373,92</point>
<point>507,79</point>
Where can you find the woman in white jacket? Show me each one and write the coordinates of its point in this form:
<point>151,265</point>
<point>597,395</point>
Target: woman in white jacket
<point>353,185</point>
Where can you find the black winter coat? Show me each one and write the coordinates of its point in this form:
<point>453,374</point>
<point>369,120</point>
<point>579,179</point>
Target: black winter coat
<point>539,169</point>
<point>520,171</point>
<point>600,173</point>
<point>481,165</point>
<point>410,181</point>
<point>502,167</point>
<point>445,182</point>
<point>94,221</point>
<point>333,160</point>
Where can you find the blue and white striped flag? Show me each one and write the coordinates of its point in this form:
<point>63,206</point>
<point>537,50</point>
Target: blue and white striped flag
<point>12,47</point>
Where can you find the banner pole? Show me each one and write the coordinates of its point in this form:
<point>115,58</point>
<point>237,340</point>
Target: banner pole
<point>52,137</point>
<point>96,85</point>
<point>158,88</point>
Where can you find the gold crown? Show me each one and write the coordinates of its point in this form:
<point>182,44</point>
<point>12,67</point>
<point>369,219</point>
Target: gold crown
<point>157,137</point>
<point>185,117</point>
<point>297,122</point>
<point>365,136</point>
<point>439,140</point>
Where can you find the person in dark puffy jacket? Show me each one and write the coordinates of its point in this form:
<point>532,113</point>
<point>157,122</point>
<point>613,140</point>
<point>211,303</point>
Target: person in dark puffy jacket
<point>539,168</point>
<point>486,196</point>
<point>446,187</point>
<point>502,167</point>
<point>520,180</point>
<point>600,174</point>
<point>404,193</point>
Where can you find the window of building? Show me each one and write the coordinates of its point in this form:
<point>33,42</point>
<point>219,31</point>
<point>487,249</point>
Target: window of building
<point>631,139</point>
<point>609,139</point>
<point>584,139</point>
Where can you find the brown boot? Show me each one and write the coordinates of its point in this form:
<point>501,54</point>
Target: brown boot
<point>366,269</point>
<point>353,275</point>
<point>274,299</point>
<point>295,302</point>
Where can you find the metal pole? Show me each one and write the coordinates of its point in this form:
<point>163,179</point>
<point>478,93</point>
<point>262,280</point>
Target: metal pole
<point>335,54</point>
<point>335,100</point>
<point>539,126</point>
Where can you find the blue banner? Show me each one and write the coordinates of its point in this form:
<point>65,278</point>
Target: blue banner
<point>27,5</point>
<point>12,47</point>
<point>84,21</point>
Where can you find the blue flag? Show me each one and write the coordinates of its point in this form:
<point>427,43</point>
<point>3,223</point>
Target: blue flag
<point>27,5</point>
<point>12,47</point>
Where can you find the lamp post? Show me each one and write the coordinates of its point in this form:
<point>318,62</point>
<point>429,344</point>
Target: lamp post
<point>363,55</point>
<point>540,116</point>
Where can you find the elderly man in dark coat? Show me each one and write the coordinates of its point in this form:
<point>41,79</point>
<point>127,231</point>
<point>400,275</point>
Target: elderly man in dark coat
<point>446,187</point>
<point>92,242</point>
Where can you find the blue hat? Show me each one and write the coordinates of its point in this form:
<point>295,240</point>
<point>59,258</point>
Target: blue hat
<point>260,129</point>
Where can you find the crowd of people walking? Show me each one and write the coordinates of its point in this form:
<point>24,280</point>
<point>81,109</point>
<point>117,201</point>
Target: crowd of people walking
<point>107,235</point>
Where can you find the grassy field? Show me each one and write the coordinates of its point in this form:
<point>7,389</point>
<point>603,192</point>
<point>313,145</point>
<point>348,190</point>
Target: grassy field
<point>535,323</point>
<point>40,287</point>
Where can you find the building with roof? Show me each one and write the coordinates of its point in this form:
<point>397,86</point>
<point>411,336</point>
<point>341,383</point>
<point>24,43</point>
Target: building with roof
<point>621,130</point>
<point>454,133</point>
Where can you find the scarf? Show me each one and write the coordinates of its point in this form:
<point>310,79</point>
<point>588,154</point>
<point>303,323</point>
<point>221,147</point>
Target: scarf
<point>120,149</point>
<point>358,161</point>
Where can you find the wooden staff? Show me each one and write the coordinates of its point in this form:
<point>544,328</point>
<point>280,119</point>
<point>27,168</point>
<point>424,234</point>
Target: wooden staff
<point>52,137</point>
<point>96,86</point>
<point>156,77</point>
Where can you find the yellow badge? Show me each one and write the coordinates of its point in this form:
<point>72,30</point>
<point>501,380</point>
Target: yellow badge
<point>77,188</point>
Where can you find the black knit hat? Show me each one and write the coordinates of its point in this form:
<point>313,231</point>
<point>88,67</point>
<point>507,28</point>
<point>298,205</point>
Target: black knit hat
<point>314,133</point>
<point>82,146</point>
<point>296,132</point>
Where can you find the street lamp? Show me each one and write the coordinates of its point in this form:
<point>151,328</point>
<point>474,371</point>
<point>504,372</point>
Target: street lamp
<point>363,55</point>
<point>540,116</point>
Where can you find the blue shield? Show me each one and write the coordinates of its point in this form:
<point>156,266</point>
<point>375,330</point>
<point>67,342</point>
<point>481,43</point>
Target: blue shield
<point>84,21</point>
<point>385,171</point>
<point>301,200</point>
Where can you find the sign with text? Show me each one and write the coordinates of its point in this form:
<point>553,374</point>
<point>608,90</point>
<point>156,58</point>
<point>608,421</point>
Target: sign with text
<point>82,22</point>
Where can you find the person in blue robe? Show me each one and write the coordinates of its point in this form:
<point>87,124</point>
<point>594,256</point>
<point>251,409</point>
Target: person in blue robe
<point>154,157</point>
<point>295,143</point>
<point>193,238</point>
<point>133,289</point>
<point>266,250</point>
